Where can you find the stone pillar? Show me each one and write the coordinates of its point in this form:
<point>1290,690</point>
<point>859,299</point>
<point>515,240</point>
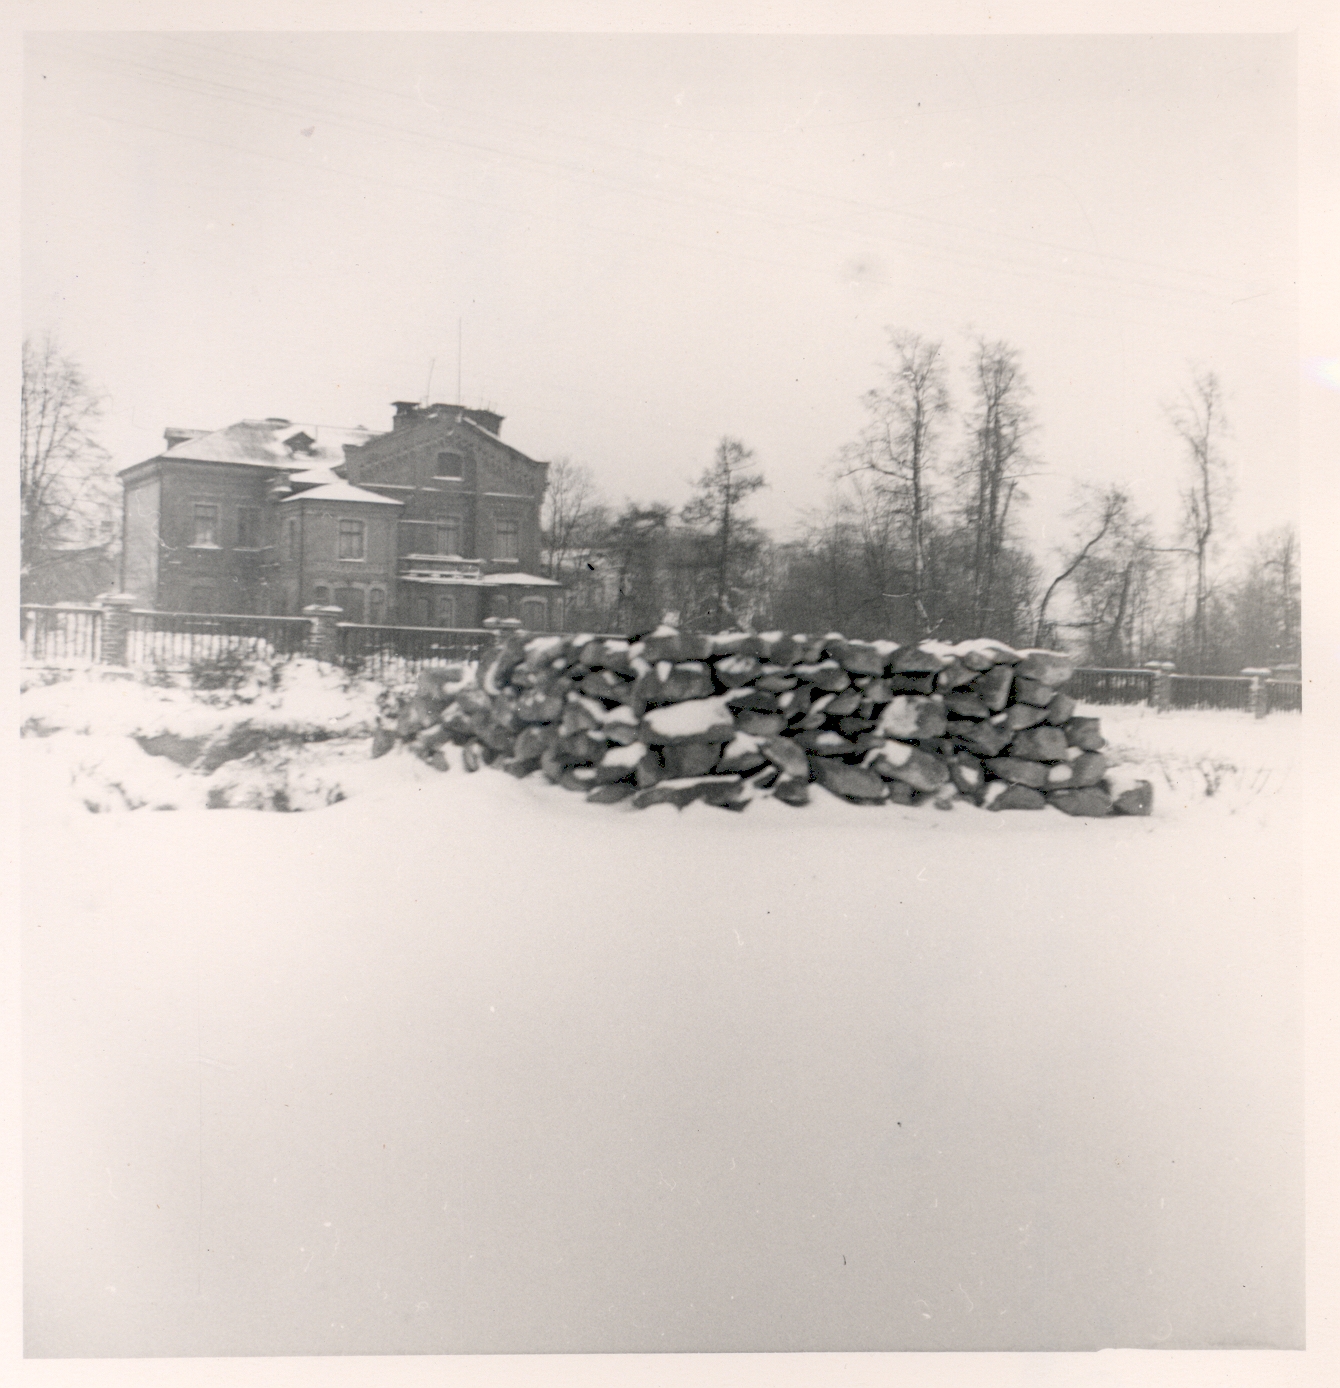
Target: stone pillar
<point>116,609</point>
<point>324,642</point>
<point>1256,695</point>
<point>1160,695</point>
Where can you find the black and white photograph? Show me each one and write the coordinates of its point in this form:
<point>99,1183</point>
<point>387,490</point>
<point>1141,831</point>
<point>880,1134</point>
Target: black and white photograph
<point>662,684</point>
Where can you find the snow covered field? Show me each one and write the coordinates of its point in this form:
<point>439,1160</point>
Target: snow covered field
<point>462,1063</point>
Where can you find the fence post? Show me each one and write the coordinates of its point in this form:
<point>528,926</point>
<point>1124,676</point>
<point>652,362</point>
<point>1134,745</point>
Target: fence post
<point>1256,695</point>
<point>1160,694</point>
<point>115,626</point>
<point>324,642</point>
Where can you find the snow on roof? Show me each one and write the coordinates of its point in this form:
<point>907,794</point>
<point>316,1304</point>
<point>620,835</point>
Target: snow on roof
<point>261,443</point>
<point>316,476</point>
<point>341,491</point>
<point>528,580</point>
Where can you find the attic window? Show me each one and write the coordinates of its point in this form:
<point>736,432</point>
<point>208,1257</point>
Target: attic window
<point>450,467</point>
<point>300,443</point>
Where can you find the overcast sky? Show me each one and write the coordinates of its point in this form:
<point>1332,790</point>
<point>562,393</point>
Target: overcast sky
<point>650,241</point>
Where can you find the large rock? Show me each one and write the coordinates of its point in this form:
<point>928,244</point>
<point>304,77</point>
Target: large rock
<point>913,716</point>
<point>840,705</point>
<point>1089,800</point>
<point>967,774</point>
<point>741,753</point>
<point>982,655</point>
<point>899,762</point>
<point>982,739</point>
<point>1088,769</point>
<point>667,644</point>
<point>792,790</point>
<point>539,707</point>
<point>1039,744</point>
<point>850,782</point>
<point>788,758</point>
<point>691,758</point>
<point>760,724</point>
<point>674,684</point>
<point>858,657</point>
<point>1131,793</point>
<point>916,660</point>
<point>1085,734</point>
<point>1018,797</point>
<point>776,681</point>
<point>1019,716</point>
<point>1027,691</point>
<point>1047,667</point>
<point>534,742</point>
<point>965,704</point>
<point>992,686</point>
<point>1018,771</point>
<point>1061,709</point>
<point>732,671</point>
<point>695,720</point>
<point>826,675</point>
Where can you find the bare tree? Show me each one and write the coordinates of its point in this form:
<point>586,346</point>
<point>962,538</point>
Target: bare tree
<point>1199,421</point>
<point>735,541</point>
<point>1097,514</point>
<point>999,427</point>
<point>66,494</point>
<point>571,513</point>
<point>897,447</point>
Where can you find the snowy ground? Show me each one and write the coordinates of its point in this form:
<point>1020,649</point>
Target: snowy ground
<point>461,1063</point>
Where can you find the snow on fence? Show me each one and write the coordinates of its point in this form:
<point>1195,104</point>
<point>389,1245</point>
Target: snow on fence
<point>726,719</point>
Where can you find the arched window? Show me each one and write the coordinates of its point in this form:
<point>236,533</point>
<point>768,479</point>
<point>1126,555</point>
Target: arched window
<point>376,607</point>
<point>533,614</point>
<point>446,609</point>
<point>322,595</point>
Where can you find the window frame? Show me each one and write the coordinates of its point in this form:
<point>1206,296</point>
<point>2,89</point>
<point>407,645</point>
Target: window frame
<point>196,508</point>
<point>440,476</point>
<point>356,528</point>
<point>447,523</point>
<point>511,527</point>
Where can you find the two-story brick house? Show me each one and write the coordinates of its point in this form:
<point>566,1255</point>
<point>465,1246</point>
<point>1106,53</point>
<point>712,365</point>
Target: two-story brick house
<point>435,523</point>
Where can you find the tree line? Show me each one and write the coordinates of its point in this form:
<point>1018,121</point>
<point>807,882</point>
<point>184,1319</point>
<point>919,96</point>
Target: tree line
<point>920,537</point>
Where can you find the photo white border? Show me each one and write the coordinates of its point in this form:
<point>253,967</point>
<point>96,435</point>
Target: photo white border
<point>1318,28</point>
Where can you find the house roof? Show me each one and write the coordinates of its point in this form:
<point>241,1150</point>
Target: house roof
<point>261,443</point>
<point>341,491</point>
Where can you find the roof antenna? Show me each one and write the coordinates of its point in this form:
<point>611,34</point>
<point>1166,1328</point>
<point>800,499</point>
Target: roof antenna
<point>428,389</point>
<point>458,362</point>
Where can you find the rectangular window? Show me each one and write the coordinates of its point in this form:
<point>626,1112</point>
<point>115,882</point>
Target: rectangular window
<point>291,539</point>
<point>322,595</point>
<point>449,536</point>
<point>450,467</point>
<point>506,540</point>
<point>446,610</point>
<point>376,606</point>
<point>248,527</point>
<point>533,614</point>
<point>206,529</point>
<point>352,535</point>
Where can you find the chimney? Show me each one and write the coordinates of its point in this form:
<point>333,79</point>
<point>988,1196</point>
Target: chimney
<point>172,437</point>
<point>405,412</point>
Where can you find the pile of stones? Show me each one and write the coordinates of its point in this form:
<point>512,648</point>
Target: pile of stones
<point>674,717</point>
